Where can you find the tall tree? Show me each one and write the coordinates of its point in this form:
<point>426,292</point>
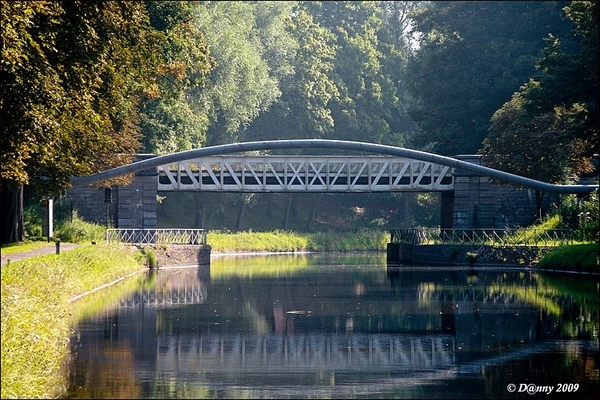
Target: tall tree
<point>173,120</point>
<point>241,85</point>
<point>367,95</point>
<point>302,109</point>
<point>569,78</point>
<point>472,56</point>
<point>549,129</point>
<point>348,76</point>
<point>72,74</point>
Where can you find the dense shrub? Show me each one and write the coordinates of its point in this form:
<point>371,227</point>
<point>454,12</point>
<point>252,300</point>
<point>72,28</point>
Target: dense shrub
<point>78,231</point>
<point>580,257</point>
<point>32,223</point>
<point>581,215</point>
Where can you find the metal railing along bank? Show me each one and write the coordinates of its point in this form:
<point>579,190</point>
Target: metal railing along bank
<point>492,237</point>
<point>157,236</point>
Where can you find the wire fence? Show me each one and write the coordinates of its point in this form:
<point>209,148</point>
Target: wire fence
<point>157,236</point>
<point>492,237</point>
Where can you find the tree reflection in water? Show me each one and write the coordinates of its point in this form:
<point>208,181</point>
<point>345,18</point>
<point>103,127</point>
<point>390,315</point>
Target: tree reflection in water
<point>338,325</point>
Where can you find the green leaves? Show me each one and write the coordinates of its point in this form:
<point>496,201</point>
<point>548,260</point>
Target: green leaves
<point>471,57</point>
<point>549,129</point>
<point>74,75</point>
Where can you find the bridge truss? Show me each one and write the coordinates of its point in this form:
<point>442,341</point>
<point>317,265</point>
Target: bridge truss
<point>226,352</point>
<point>305,174</point>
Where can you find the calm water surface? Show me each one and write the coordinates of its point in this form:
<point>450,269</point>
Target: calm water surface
<point>338,326</point>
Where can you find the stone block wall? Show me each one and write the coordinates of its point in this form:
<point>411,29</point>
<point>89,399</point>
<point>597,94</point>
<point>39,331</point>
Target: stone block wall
<point>467,255</point>
<point>480,203</point>
<point>90,205</point>
<point>137,203</point>
<point>133,206</point>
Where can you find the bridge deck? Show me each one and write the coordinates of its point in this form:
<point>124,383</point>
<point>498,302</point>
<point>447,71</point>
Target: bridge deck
<point>340,352</point>
<point>305,174</point>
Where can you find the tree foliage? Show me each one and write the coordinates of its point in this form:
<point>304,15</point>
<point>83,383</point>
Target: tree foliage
<point>72,77</point>
<point>73,74</point>
<point>302,109</point>
<point>347,81</point>
<point>549,129</point>
<point>173,120</point>
<point>471,57</point>
<point>241,85</point>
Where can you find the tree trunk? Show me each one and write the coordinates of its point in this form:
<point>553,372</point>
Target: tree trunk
<point>11,204</point>
<point>288,208</point>
<point>314,211</point>
<point>539,197</point>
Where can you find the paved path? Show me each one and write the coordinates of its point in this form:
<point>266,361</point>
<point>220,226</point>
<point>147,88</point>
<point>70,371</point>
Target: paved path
<point>49,249</point>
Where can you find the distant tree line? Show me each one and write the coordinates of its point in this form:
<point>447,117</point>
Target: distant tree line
<point>87,84</point>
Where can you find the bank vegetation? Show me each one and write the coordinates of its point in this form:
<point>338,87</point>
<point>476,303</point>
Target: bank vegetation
<point>38,293</point>
<point>37,309</point>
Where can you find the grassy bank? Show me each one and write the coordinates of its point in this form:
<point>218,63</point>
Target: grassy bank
<point>577,257</point>
<point>36,312</point>
<point>36,293</point>
<point>285,241</point>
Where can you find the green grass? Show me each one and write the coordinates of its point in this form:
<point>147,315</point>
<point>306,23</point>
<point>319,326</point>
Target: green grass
<point>12,248</point>
<point>578,257</point>
<point>36,313</point>
<point>287,241</point>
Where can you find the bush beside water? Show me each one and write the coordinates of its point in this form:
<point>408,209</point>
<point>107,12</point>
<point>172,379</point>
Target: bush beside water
<point>578,257</point>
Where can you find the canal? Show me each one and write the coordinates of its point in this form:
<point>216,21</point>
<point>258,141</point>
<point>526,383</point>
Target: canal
<point>339,325</point>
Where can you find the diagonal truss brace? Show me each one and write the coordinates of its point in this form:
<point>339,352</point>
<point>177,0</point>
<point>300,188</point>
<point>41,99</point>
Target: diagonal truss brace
<point>304,174</point>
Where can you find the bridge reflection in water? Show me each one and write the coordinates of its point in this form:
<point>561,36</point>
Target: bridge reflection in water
<point>229,351</point>
<point>168,297</point>
<point>341,352</point>
<point>332,326</point>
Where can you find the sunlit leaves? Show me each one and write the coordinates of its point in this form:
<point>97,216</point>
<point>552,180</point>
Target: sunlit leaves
<point>240,86</point>
<point>70,107</point>
<point>170,119</point>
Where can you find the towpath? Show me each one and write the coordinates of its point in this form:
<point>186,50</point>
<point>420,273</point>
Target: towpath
<point>48,249</point>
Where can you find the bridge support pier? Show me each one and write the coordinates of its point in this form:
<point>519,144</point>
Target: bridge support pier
<point>447,210</point>
<point>478,202</point>
<point>133,206</point>
<point>180,255</point>
<point>399,253</point>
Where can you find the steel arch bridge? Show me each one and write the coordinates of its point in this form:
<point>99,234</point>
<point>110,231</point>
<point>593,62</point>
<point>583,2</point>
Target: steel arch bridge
<point>469,200</point>
<point>391,169</point>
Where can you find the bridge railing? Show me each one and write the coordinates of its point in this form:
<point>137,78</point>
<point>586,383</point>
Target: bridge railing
<point>498,237</point>
<point>157,236</point>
